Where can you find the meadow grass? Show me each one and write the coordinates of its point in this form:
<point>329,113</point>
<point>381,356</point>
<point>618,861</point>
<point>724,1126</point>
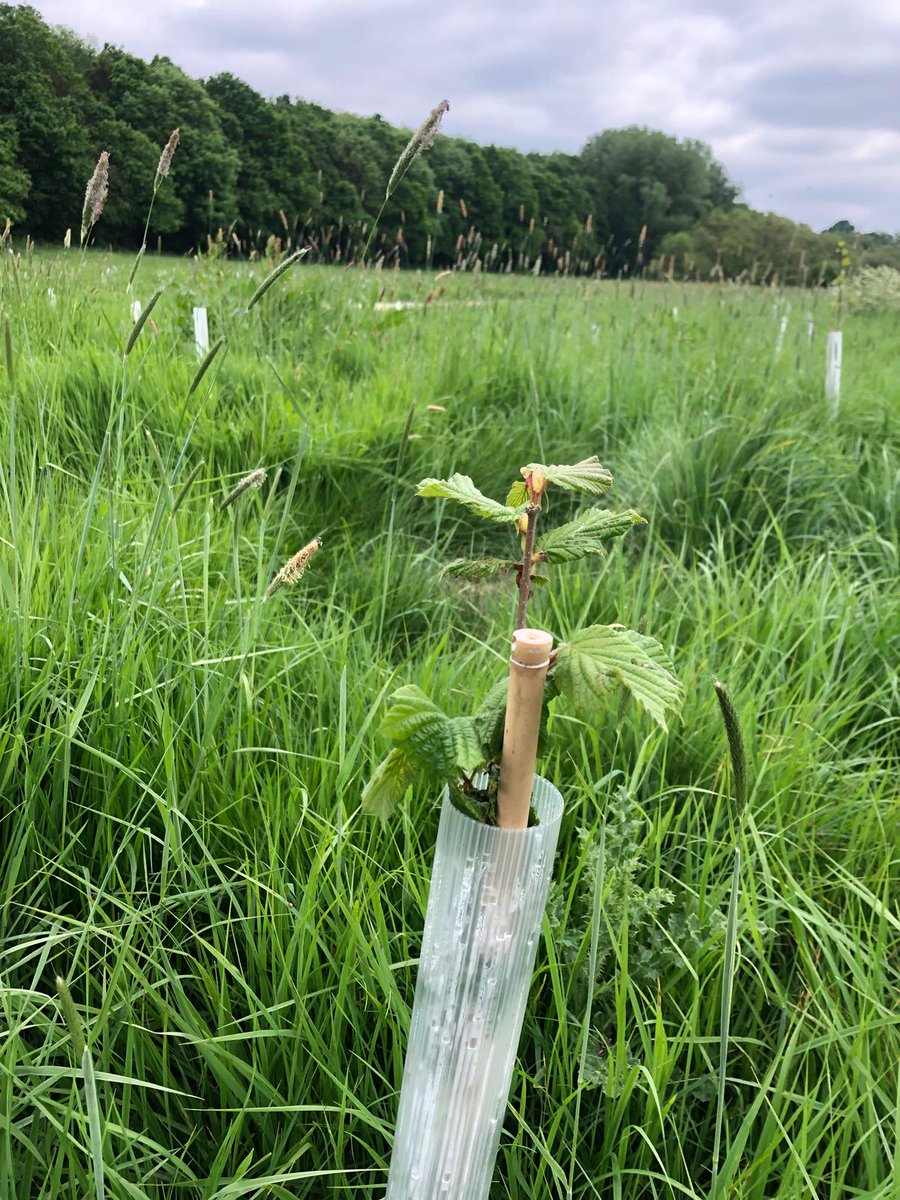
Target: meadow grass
<point>182,758</point>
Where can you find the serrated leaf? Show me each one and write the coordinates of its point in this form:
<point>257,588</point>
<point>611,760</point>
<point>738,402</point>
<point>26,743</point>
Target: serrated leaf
<point>466,743</point>
<point>491,717</point>
<point>585,476</point>
<point>518,494</point>
<point>409,710</point>
<point>388,785</point>
<point>416,725</point>
<point>595,659</point>
<point>476,568</point>
<point>439,744</point>
<point>462,490</point>
<point>586,534</point>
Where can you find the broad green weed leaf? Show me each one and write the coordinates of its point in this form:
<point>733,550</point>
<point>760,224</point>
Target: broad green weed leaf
<point>595,659</point>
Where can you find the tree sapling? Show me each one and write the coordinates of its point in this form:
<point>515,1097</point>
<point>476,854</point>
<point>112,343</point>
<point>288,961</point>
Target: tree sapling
<point>465,752</point>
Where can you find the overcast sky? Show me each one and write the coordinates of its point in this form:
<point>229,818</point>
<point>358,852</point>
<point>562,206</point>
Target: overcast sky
<point>800,99</point>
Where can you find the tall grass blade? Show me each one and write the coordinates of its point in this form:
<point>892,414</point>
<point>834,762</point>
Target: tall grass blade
<point>274,276</point>
<point>142,320</point>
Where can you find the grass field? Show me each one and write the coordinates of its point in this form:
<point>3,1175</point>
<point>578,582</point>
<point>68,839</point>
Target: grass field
<point>182,759</point>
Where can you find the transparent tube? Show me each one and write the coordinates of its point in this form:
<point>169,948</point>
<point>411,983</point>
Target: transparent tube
<point>488,893</point>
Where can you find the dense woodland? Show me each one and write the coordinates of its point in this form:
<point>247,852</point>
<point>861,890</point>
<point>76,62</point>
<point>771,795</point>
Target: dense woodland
<point>253,175</point>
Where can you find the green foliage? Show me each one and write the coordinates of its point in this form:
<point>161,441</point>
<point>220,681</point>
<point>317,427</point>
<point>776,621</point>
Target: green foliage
<point>14,182</point>
<point>660,926</point>
<point>291,170</point>
<point>585,669</point>
<point>388,784</point>
<point>490,718</point>
<point>476,569</point>
<point>426,742</point>
<point>751,247</point>
<point>440,743</point>
<point>585,476</point>
<point>643,180</point>
<point>586,534</point>
<point>46,98</point>
<point>595,660</point>
<point>874,289</point>
<point>461,490</point>
<point>181,767</point>
<point>518,494</point>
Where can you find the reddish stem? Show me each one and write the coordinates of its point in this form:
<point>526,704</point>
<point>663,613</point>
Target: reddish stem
<point>527,560</point>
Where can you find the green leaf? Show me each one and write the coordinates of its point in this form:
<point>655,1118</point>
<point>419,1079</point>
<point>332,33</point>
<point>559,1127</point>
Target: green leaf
<point>584,476</point>
<point>598,658</point>
<point>466,743</point>
<point>415,724</point>
<point>518,494</point>
<point>440,744</point>
<point>462,490</point>
<point>476,568</point>
<point>388,785</point>
<point>491,717</point>
<point>586,534</point>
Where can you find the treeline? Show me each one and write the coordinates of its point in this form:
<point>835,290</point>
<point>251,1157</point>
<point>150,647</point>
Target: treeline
<point>253,175</point>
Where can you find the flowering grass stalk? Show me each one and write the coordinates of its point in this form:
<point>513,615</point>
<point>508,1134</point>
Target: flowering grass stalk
<point>294,568</point>
<point>162,170</point>
<point>420,141</point>
<point>95,197</point>
<point>251,482</point>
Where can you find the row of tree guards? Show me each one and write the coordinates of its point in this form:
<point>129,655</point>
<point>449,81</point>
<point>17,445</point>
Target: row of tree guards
<point>833,353</point>
<point>833,350</point>
<point>489,887</point>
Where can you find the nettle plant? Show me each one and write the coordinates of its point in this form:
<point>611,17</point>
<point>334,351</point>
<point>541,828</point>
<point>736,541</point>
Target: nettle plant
<point>464,752</point>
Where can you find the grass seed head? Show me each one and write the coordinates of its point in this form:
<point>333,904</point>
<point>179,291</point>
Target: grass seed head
<point>294,567</point>
<point>250,482</point>
<point>165,159</point>
<point>420,140</point>
<point>95,195</point>
<point>736,747</point>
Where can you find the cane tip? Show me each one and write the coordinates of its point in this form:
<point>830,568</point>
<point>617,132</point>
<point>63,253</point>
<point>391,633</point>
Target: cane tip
<point>531,646</point>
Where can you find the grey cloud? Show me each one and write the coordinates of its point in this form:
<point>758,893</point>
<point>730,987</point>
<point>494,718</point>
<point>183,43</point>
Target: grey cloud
<point>828,97</point>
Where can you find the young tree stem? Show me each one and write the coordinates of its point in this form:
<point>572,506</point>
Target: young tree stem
<point>527,556</point>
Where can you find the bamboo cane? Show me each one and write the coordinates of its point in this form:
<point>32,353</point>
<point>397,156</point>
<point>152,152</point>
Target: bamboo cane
<point>528,665</point>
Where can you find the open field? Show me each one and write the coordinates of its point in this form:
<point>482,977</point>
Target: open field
<point>182,759</point>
